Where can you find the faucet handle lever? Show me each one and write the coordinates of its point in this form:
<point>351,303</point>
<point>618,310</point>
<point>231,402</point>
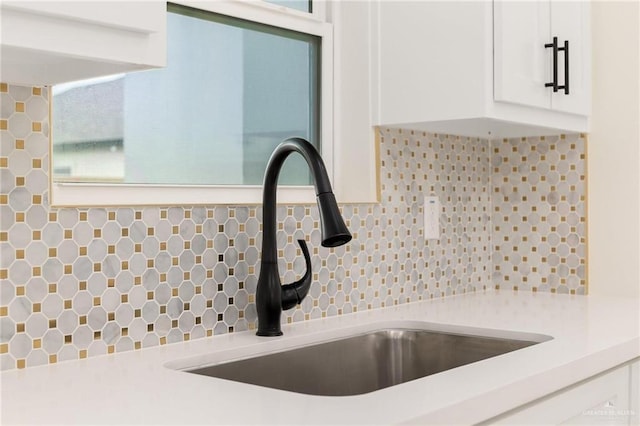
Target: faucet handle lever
<point>293,293</point>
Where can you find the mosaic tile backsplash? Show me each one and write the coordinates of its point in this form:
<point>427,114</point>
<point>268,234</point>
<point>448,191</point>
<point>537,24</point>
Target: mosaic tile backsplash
<point>539,222</point>
<point>83,282</point>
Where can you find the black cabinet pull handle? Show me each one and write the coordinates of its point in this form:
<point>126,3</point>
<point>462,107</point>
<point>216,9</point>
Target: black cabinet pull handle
<point>554,45</point>
<point>566,67</point>
<point>565,50</point>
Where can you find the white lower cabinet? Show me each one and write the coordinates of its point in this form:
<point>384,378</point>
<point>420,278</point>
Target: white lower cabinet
<point>610,398</point>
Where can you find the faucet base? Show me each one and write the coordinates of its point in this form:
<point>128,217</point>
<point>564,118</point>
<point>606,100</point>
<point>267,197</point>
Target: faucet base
<point>269,333</point>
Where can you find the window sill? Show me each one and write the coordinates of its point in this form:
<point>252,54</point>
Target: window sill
<point>116,195</point>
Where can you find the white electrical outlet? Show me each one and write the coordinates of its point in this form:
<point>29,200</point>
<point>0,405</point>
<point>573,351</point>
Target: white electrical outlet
<point>431,210</point>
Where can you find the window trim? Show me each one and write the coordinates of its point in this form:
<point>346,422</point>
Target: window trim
<point>67,194</point>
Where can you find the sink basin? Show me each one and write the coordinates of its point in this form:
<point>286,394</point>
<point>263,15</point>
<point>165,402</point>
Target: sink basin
<point>363,363</point>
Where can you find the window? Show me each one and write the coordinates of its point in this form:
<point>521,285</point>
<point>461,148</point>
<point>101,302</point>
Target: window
<point>240,78</point>
<point>303,5</point>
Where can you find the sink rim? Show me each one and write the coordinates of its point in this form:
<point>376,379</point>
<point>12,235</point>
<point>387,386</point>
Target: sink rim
<point>266,346</point>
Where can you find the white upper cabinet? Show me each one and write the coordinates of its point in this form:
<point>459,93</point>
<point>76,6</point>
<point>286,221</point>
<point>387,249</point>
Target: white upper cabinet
<point>49,42</point>
<point>524,67</point>
<point>480,68</point>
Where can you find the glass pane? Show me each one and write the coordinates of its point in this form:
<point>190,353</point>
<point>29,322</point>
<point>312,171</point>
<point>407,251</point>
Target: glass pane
<point>232,90</point>
<point>303,5</point>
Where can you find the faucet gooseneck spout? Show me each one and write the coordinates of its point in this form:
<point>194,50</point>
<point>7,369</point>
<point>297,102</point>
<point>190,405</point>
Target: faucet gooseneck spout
<point>271,296</point>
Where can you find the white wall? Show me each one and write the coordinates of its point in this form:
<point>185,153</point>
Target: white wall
<point>614,150</point>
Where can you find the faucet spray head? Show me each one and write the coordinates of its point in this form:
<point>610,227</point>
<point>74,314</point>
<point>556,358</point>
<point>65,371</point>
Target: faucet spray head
<point>334,230</point>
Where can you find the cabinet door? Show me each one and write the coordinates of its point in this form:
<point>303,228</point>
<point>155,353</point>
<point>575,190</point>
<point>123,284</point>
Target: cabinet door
<point>604,399</point>
<point>634,397</point>
<point>522,65</point>
<point>570,21</point>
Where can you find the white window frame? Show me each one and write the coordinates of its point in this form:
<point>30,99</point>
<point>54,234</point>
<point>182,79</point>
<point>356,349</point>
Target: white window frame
<point>67,194</point>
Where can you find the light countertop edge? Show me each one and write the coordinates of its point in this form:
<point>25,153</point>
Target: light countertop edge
<point>590,335</point>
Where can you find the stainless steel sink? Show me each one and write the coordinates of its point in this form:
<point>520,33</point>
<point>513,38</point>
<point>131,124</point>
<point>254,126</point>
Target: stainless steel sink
<point>363,363</point>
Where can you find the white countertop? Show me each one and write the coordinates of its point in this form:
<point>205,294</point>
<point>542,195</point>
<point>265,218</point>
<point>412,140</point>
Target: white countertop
<point>590,335</point>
